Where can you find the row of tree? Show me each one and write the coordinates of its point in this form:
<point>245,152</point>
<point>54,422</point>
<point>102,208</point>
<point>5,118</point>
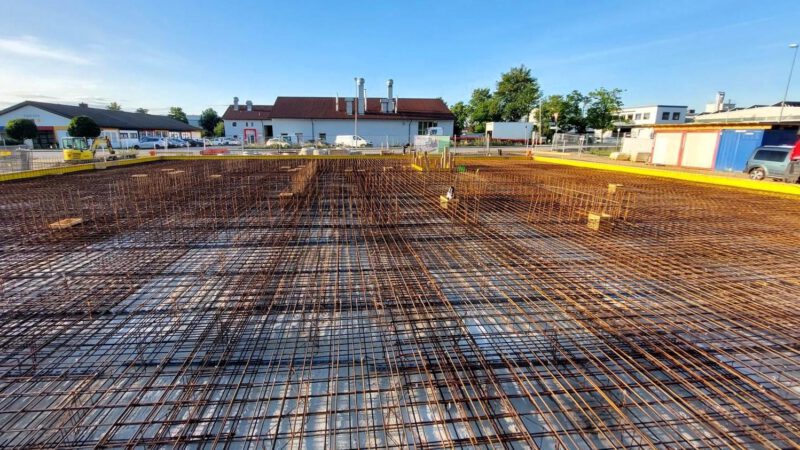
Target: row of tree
<point>516,95</point>
<point>80,126</point>
<point>209,119</point>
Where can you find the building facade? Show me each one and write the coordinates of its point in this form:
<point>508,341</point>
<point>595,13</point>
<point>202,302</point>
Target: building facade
<point>121,127</point>
<point>384,121</point>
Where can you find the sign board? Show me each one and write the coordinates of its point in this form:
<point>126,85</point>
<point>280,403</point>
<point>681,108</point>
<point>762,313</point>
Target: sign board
<point>431,144</point>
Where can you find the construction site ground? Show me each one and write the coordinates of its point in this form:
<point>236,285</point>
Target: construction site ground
<point>343,303</point>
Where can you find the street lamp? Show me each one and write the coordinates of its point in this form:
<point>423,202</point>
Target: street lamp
<point>788,82</point>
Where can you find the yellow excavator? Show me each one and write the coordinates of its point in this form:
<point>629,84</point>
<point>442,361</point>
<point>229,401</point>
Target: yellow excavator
<point>78,150</point>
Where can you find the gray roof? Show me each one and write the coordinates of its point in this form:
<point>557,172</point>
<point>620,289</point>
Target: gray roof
<point>110,119</point>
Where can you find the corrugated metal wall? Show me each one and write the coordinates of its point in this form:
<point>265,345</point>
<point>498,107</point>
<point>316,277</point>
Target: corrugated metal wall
<point>735,148</point>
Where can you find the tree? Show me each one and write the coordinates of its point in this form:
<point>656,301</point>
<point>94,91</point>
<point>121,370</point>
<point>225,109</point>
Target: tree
<point>461,111</point>
<point>82,126</point>
<point>219,129</point>
<point>604,104</point>
<point>114,106</point>
<point>554,104</point>
<point>21,129</point>
<point>483,108</point>
<point>176,112</point>
<point>573,116</point>
<point>516,93</point>
<point>142,110</point>
<point>208,121</point>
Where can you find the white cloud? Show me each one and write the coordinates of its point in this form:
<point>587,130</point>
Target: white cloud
<point>31,47</point>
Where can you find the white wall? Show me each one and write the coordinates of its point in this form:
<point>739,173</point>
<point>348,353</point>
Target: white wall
<point>238,130</point>
<point>654,114</point>
<point>510,130</point>
<point>396,132</point>
<point>41,117</point>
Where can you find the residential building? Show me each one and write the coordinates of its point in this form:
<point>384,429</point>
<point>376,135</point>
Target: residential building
<point>250,122</point>
<point>121,127</point>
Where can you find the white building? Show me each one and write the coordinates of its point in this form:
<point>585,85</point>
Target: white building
<point>121,127</point>
<point>634,121</point>
<point>385,121</point>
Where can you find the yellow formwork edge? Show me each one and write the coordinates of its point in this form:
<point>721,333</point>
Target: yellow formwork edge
<point>742,183</point>
<point>45,172</point>
<point>417,168</point>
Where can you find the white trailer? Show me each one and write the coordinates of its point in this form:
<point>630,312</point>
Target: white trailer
<point>511,131</point>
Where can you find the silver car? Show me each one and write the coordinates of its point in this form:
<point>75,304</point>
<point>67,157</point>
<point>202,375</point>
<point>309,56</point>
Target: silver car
<point>769,161</point>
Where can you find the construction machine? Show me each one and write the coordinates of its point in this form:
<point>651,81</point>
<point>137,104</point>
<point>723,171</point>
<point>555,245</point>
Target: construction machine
<point>78,150</point>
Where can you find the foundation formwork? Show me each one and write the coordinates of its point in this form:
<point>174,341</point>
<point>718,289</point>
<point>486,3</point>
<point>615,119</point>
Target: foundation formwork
<point>336,304</point>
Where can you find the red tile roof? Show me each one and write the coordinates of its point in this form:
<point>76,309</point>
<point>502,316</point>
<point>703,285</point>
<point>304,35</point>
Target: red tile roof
<point>324,108</point>
<point>259,112</point>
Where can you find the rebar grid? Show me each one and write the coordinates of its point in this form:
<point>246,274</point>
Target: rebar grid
<point>336,304</point>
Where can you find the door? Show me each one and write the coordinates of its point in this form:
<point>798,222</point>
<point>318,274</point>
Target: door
<point>699,149</point>
<point>667,148</point>
<point>267,132</point>
<point>250,135</point>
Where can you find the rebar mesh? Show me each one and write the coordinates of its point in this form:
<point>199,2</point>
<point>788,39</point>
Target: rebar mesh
<point>336,304</point>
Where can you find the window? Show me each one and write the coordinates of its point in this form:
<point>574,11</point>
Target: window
<point>676,116</point>
<point>646,116</point>
<point>422,127</point>
<point>770,155</point>
<point>638,116</point>
<point>234,124</point>
<point>665,115</point>
<point>323,137</point>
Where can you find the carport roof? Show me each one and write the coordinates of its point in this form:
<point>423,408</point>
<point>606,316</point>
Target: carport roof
<point>110,119</point>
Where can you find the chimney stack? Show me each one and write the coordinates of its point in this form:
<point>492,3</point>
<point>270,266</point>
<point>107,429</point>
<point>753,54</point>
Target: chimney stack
<point>348,102</point>
<point>235,103</point>
<point>249,105</point>
<point>337,102</point>
<point>361,99</point>
<point>720,101</point>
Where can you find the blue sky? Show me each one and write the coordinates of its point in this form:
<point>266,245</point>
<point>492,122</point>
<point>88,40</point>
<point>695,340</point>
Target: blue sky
<point>156,54</point>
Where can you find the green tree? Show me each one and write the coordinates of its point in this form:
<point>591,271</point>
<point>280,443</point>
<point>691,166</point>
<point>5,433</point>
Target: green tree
<point>219,129</point>
<point>554,104</point>
<point>461,111</point>
<point>82,126</point>
<point>516,93</point>
<point>21,129</point>
<point>142,110</point>
<point>483,108</point>
<point>604,104</point>
<point>176,112</point>
<point>114,106</point>
<point>573,116</point>
<point>208,121</point>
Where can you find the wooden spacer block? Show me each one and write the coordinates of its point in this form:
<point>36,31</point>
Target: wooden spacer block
<point>597,221</point>
<point>66,223</point>
<point>612,187</point>
<point>444,203</point>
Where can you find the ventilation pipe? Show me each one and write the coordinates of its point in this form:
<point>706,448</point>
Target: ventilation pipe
<point>396,101</point>
<point>720,101</point>
<point>365,99</point>
<point>235,103</point>
<point>389,95</point>
<point>337,102</point>
<point>361,99</point>
<point>348,102</point>
<point>249,105</point>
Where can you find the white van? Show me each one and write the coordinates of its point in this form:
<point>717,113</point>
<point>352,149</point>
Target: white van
<point>351,140</point>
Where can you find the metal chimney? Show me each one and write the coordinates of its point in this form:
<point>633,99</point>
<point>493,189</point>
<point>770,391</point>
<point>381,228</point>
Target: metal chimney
<point>249,105</point>
<point>720,101</point>
<point>337,102</point>
<point>235,103</point>
<point>361,98</point>
<point>389,95</point>
<point>348,102</point>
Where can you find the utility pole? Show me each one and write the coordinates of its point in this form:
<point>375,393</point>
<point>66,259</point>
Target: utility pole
<point>786,92</point>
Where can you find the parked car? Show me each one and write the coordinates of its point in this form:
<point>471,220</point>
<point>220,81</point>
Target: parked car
<point>769,161</point>
<point>277,143</point>
<point>234,141</point>
<point>350,140</point>
<point>151,142</point>
<point>194,142</point>
<point>177,143</point>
